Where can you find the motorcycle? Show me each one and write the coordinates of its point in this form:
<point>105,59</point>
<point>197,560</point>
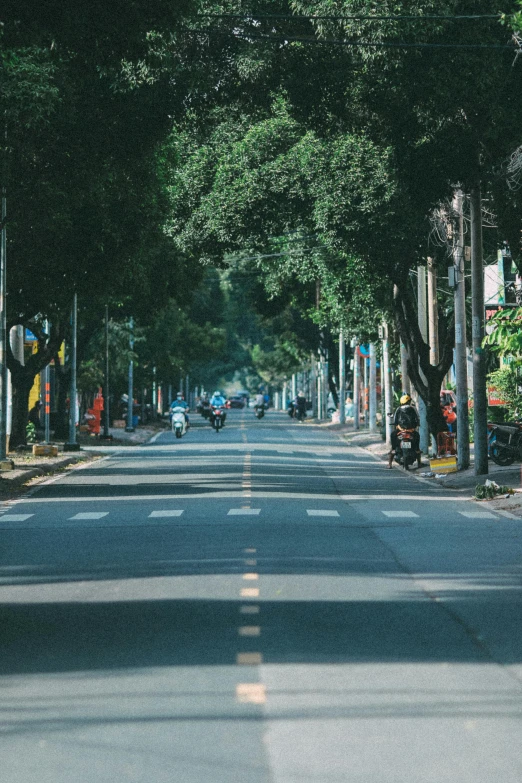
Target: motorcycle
<point>178,422</point>
<point>300,414</point>
<point>205,409</point>
<point>260,411</point>
<point>217,418</point>
<point>505,443</point>
<point>405,454</point>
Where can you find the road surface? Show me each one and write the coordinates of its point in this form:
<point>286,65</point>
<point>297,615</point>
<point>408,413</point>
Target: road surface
<point>262,605</point>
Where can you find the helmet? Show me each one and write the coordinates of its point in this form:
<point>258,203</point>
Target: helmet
<point>217,394</point>
<point>301,394</point>
<point>179,395</point>
<point>405,399</point>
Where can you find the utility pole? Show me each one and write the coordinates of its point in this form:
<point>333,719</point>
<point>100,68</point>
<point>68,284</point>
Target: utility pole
<point>106,391</point>
<point>461,369</point>
<point>388,402</point>
<point>72,445</point>
<point>326,385</point>
<point>130,402</point>
<point>373,388</point>
<point>155,394</point>
<point>47,394</point>
<point>480,403</point>
<point>405,380</point>
<point>320,388</point>
<point>421,299</point>
<point>3,329</point>
<point>342,377</point>
<point>313,371</point>
<point>433,314</point>
<point>365,387</point>
<point>356,386</point>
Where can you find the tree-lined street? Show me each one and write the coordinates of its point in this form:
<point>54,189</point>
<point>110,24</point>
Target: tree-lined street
<point>301,220</point>
<point>265,604</point>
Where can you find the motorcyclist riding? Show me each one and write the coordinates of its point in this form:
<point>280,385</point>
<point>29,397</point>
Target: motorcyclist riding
<point>179,402</point>
<point>218,401</point>
<point>405,418</point>
<point>300,406</point>
<point>260,401</point>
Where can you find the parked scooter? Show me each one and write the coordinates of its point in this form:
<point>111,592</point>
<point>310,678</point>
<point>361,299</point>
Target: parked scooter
<point>505,443</point>
<point>178,422</point>
<point>217,417</point>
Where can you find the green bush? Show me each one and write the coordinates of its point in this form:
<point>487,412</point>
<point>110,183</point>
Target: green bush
<point>506,381</point>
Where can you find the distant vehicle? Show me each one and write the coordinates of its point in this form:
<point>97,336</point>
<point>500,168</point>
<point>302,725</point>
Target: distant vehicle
<point>237,402</point>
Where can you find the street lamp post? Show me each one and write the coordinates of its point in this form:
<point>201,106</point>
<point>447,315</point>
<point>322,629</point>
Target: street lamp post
<point>106,391</point>
<point>130,403</point>
<point>72,445</point>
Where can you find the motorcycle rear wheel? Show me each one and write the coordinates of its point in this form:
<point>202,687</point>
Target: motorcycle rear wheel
<point>500,456</point>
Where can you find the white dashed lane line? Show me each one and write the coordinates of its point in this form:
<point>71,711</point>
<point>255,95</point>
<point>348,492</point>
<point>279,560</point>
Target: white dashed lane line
<point>240,512</point>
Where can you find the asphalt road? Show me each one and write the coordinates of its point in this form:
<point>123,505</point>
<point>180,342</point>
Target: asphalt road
<point>262,605</point>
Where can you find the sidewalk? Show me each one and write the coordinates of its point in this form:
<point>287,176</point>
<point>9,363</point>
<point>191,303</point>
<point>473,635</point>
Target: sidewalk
<point>464,481</point>
<point>28,467</point>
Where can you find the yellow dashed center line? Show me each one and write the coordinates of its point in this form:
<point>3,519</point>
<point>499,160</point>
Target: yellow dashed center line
<point>246,484</point>
<point>251,693</point>
<point>249,592</point>
<point>249,609</point>
<point>249,659</point>
<point>249,630</point>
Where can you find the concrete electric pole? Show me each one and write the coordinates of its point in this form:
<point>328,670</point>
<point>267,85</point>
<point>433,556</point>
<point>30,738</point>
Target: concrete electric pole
<point>461,370</point>
<point>421,304</point>
<point>373,388</point>
<point>480,403</point>
<point>342,377</point>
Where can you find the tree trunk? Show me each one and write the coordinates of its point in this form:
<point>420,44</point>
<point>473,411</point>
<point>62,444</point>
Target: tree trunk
<point>62,379</point>
<point>426,378</point>
<point>22,380</point>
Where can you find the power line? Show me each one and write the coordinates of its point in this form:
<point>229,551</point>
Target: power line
<point>372,44</point>
<point>328,17</point>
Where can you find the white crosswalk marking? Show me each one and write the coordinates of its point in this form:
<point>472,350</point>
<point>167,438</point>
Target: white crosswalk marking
<point>15,517</point>
<point>174,513</point>
<point>478,514</point>
<point>239,512</point>
<point>318,512</point>
<point>90,515</point>
<point>400,514</point>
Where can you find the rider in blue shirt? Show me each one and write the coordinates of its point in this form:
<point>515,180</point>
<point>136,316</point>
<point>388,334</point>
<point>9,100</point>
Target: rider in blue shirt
<point>179,402</point>
<point>218,401</point>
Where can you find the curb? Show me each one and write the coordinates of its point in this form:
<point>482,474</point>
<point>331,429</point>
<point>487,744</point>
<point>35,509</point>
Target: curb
<point>19,477</point>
